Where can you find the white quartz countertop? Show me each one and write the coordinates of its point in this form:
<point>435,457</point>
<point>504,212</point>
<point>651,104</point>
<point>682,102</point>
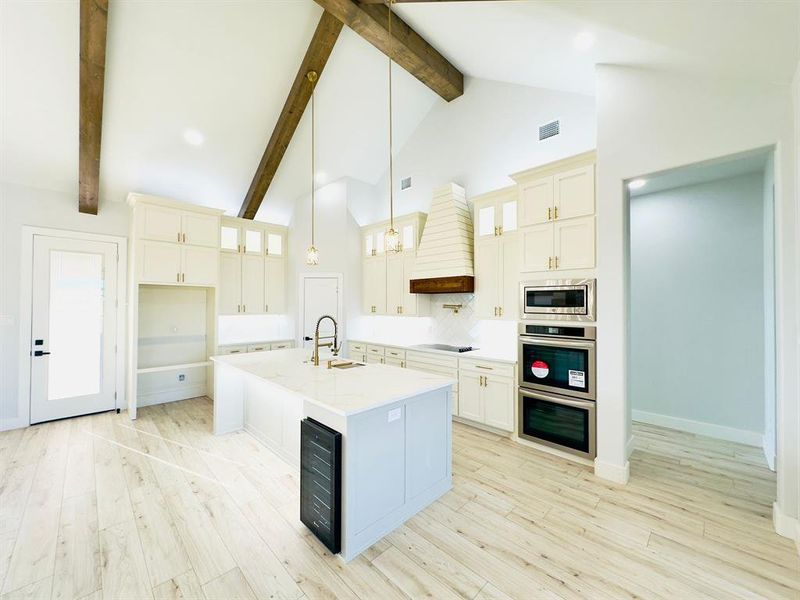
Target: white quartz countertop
<point>342,391</point>
<point>503,356</point>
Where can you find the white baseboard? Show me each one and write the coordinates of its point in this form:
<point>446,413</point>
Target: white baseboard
<point>15,423</point>
<point>785,525</point>
<point>730,434</point>
<point>184,393</point>
<point>615,473</point>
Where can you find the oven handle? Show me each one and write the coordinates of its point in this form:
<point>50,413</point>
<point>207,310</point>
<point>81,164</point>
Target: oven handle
<point>587,404</point>
<point>558,342</point>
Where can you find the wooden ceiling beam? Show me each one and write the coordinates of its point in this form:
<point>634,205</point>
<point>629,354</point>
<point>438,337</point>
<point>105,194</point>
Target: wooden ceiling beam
<point>94,24</point>
<point>406,47</point>
<point>316,57</point>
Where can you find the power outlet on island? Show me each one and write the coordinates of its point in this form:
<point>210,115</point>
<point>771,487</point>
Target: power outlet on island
<point>181,377</point>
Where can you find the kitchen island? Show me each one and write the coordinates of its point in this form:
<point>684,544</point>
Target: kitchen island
<point>395,430</point>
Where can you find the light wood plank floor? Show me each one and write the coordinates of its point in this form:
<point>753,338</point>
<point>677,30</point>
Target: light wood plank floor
<point>100,507</point>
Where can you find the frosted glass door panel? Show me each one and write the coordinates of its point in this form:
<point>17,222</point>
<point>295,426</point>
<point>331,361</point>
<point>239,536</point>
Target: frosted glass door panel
<point>76,324</point>
<point>229,238</point>
<point>73,326</point>
<point>274,244</point>
<point>510,216</point>
<point>486,220</point>
<point>253,241</point>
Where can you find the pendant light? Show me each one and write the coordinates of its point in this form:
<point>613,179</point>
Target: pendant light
<point>392,237</point>
<point>312,254</point>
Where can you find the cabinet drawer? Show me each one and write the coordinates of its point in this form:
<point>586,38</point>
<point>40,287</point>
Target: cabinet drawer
<point>396,353</point>
<point>281,345</point>
<point>395,362</point>
<point>232,349</point>
<point>432,359</point>
<point>356,348</point>
<point>374,359</point>
<point>486,367</point>
<point>258,347</point>
<point>376,350</point>
<point>358,357</point>
<point>434,369</point>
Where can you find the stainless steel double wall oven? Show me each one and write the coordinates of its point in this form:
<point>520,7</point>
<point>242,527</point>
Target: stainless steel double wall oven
<point>557,372</point>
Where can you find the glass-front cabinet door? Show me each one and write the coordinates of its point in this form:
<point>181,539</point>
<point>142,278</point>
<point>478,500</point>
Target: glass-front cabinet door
<point>230,238</point>
<point>276,243</point>
<point>252,241</point>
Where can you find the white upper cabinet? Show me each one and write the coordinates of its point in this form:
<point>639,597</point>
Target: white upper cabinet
<point>536,201</point>
<point>260,253</point>
<point>253,274</point>
<point>159,262</point>
<point>167,224</point>
<point>275,285</point>
<point>199,265</point>
<point>496,254</point>
<point>573,193</point>
<point>199,229</point>
<point>160,223</point>
<point>556,215</point>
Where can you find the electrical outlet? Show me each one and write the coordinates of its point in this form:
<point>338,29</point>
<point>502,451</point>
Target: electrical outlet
<point>181,377</point>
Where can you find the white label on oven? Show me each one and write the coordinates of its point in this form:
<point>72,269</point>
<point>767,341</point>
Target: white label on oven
<point>577,378</point>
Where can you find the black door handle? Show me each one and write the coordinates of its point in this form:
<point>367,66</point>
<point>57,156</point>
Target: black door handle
<point>40,353</point>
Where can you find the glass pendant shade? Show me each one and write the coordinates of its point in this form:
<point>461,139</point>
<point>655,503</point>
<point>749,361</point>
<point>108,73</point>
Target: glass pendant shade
<point>312,256</point>
<point>392,240</point>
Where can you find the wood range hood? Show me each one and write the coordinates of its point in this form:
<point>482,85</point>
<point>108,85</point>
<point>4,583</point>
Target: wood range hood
<point>444,263</point>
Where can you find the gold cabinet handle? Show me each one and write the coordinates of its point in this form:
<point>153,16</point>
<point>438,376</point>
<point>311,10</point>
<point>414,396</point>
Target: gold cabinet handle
<point>244,308</point>
<point>500,229</point>
<point>485,368</point>
<point>548,213</point>
<point>549,262</point>
<point>238,308</point>
<point>556,262</point>
<point>184,238</point>
<point>555,213</point>
<point>183,277</point>
<point>178,277</point>
<point>499,311</point>
<point>179,237</point>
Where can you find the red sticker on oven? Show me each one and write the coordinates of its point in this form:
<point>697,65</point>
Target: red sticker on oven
<point>540,369</point>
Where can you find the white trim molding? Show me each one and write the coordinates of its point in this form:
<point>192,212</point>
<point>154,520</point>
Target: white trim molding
<point>616,473</point>
<point>721,432</point>
<point>23,418</point>
<point>785,525</point>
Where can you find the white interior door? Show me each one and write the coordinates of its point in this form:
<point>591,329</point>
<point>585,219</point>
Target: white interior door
<point>320,297</point>
<point>73,327</point>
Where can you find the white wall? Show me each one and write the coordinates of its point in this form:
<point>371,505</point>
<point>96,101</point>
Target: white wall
<point>649,121</point>
<point>338,239</point>
<point>479,139</point>
<point>41,208</point>
<point>697,308</point>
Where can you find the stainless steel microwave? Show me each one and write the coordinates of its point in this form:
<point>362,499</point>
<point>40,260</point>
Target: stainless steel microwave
<point>558,299</point>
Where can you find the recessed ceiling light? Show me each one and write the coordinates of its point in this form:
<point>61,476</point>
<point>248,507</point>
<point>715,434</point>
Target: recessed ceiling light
<point>193,137</point>
<point>583,41</point>
<point>637,184</point>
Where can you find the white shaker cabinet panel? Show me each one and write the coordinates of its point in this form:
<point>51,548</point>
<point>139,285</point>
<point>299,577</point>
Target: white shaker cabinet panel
<point>230,284</point>
<point>536,247</point>
<point>253,274</point>
<point>574,243</point>
<point>374,279</point>
<point>395,268</point>
<point>200,230</point>
<point>159,262</point>
<point>275,285</point>
<point>536,202</point>
<point>573,193</point>
<point>469,396</point>
<point>200,265</point>
<point>508,303</point>
<point>159,223</point>
<point>498,402</point>
<point>487,278</point>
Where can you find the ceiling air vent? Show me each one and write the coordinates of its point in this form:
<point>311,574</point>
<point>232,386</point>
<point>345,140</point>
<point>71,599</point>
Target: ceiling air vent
<point>405,183</point>
<point>550,129</point>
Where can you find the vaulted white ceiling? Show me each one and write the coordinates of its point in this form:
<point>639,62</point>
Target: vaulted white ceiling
<point>223,68</point>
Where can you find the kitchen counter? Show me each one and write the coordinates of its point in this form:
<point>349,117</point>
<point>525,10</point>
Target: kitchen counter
<point>395,426</point>
<point>479,354</point>
<point>343,392</point>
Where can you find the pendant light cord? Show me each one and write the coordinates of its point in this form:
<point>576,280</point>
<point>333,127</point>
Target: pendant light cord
<point>391,161</point>
<point>312,78</point>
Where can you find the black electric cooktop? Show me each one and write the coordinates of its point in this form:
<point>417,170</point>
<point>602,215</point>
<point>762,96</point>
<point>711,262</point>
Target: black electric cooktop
<point>446,347</point>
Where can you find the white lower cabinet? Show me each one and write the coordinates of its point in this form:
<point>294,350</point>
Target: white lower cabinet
<point>498,402</point>
<point>469,396</point>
